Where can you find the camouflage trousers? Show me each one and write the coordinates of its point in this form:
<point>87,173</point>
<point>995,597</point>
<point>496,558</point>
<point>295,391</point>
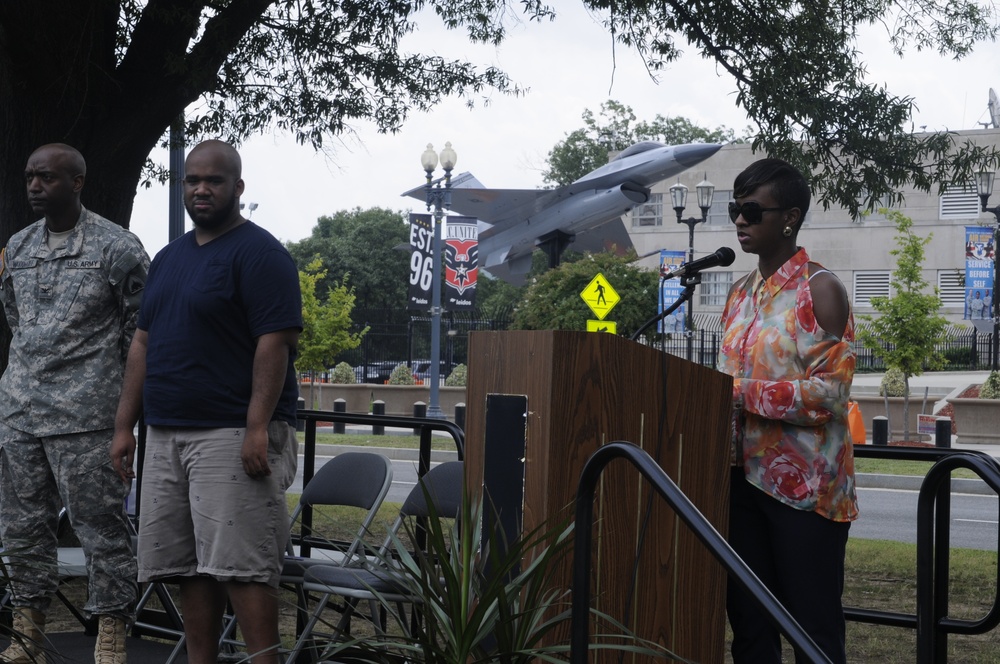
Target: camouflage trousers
<point>37,477</point>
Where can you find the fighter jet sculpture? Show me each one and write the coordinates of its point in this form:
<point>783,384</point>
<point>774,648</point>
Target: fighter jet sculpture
<point>514,222</point>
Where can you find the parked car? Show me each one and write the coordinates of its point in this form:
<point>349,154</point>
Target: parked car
<point>422,370</point>
<point>379,372</point>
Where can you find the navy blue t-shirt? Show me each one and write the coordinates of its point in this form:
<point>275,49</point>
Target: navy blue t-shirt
<point>203,308</point>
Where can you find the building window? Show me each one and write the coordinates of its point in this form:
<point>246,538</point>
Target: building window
<point>649,213</point>
<point>868,285</point>
<point>714,288</point>
<point>959,201</point>
<point>951,287</point>
<point>718,214</point>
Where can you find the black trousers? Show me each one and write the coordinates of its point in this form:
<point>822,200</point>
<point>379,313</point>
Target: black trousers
<point>799,556</point>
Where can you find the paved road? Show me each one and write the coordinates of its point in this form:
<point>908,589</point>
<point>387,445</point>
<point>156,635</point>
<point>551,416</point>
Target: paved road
<point>404,471</point>
<point>892,514</point>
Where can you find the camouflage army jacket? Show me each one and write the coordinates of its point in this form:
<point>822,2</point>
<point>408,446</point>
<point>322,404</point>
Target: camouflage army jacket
<point>72,312</point>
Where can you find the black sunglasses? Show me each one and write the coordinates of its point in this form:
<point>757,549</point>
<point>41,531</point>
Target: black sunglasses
<point>752,212</point>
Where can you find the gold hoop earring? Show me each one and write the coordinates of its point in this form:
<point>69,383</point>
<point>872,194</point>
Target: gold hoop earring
<point>787,232</point>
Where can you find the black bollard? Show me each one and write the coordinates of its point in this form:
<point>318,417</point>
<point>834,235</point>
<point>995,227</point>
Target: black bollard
<point>460,415</point>
<point>419,410</point>
<point>880,430</point>
<point>378,408</point>
<point>300,425</point>
<point>942,432</point>
<point>339,406</point>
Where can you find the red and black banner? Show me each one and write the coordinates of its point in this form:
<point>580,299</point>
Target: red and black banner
<point>461,263</point>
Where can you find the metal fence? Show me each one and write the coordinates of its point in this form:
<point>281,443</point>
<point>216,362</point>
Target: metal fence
<point>396,336</point>
<point>963,348</point>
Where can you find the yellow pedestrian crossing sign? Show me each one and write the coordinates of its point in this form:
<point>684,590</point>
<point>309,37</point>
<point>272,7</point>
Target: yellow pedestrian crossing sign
<point>600,296</point>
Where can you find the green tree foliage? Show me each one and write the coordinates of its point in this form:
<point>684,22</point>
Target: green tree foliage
<point>116,73</point>
<point>802,81</point>
<point>908,328</point>
<point>326,321</point>
<point>495,298</point>
<point>361,243</point>
<point>553,302</point>
<point>613,130</point>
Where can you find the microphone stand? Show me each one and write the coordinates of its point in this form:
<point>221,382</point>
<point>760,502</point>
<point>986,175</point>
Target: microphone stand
<point>689,281</point>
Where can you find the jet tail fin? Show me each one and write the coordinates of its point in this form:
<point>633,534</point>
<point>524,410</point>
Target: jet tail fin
<point>464,180</point>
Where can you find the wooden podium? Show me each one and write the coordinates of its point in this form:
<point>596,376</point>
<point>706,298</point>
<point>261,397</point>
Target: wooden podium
<point>541,402</point>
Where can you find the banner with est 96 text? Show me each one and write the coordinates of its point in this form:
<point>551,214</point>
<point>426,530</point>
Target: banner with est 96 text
<point>421,261</point>
<point>461,262</point>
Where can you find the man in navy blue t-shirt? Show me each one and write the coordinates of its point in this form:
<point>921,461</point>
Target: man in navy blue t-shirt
<point>211,367</point>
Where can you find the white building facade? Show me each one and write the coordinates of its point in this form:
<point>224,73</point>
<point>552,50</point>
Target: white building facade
<point>858,252</point>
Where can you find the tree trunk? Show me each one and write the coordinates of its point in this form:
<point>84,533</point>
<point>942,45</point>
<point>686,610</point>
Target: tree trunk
<point>63,85</point>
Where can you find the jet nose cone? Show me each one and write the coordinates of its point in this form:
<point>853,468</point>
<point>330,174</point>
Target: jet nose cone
<point>689,155</point>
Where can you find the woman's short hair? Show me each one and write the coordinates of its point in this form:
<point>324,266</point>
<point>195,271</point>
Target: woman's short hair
<point>788,185</point>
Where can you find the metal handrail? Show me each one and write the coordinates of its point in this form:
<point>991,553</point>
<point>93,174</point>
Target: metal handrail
<point>699,525</point>
<point>933,626</point>
<point>933,546</point>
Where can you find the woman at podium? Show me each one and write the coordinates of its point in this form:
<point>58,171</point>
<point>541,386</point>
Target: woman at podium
<point>787,344</point>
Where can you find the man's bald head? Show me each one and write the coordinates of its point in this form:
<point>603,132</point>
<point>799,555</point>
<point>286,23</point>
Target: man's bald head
<point>222,152</point>
<point>67,156</point>
<point>213,185</point>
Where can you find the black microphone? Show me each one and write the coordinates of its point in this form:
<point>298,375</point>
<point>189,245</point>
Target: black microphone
<point>722,257</point>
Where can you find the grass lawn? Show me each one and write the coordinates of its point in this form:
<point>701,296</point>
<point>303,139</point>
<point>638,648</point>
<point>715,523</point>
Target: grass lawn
<point>881,575</point>
<point>438,441</point>
<point>899,467</point>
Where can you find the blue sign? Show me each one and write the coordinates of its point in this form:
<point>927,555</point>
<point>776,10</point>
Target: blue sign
<point>979,257</point>
<point>670,291</point>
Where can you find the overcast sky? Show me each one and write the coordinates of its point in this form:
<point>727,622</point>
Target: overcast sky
<point>569,66</point>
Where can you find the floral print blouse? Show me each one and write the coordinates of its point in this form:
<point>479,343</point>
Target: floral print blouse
<point>790,393</point>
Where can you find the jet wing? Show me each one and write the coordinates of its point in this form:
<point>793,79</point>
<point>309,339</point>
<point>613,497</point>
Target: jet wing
<point>503,207</point>
<point>498,207</point>
<point>610,236</point>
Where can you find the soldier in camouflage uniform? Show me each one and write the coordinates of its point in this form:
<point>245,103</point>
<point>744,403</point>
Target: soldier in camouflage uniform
<point>70,287</point>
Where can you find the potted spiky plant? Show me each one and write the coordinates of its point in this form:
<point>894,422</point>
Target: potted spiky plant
<point>495,603</point>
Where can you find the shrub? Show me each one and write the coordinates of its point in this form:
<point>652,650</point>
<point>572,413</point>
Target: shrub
<point>401,375</point>
<point>958,356</point>
<point>893,383</point>
<point>991,387</point>
<point>343,374</point>
<point>457,377</point>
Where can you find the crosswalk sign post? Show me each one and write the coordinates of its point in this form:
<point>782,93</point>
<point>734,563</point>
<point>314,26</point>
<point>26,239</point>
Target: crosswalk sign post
<point>600,296</point>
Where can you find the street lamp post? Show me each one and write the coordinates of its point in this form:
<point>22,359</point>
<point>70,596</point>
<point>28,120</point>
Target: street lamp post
<point>438,194</point>
<point>678,196</point>
<point>984,186</point>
